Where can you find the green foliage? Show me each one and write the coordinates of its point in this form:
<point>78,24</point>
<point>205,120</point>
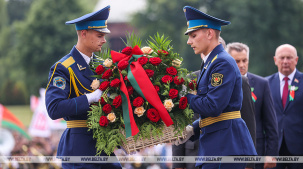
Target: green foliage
<point>132,40</point>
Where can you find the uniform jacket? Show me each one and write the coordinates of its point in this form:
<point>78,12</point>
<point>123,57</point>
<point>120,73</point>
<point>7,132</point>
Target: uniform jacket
<point>216,96</point>
<point>62,102</point>
<point>266,120</point>
<point>290,119</point>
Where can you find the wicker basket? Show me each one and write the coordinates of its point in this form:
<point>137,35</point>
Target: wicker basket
<point>168,137</point>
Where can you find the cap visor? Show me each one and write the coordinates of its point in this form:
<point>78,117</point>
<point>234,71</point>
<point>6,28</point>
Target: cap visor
<point>190,30</point>
<point>103,30</point>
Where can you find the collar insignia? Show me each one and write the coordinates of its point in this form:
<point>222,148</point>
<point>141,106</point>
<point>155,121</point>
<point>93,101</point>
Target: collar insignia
<point>80,67</point>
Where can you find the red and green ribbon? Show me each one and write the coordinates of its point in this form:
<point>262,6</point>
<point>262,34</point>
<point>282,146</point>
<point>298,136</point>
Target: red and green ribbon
<point>253,96</point>
<point>292,92</point>
<point>143,86</point>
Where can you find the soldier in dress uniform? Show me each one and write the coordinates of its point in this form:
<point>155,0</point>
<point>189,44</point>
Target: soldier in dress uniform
<point>221,130</point>
<point>69,93</point>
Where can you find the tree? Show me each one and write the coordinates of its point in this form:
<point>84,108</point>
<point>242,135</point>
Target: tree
<point>43,38</point>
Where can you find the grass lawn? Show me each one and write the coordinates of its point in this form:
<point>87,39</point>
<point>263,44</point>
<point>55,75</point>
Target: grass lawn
<point>22,112</point>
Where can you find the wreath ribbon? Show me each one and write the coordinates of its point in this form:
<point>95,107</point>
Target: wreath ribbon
<point>142,84</point>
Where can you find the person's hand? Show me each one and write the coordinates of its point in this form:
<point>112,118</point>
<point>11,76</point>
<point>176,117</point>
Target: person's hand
<point>189,131</point>
<point>270,162</point>
<point>94,96</point>
<point>194,92</point>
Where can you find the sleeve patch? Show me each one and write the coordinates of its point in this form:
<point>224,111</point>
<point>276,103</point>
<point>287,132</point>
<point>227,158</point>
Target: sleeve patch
<point>59,82</point>
<point>216,79</point>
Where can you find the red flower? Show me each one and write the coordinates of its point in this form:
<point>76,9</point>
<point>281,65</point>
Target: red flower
<point>103,121</point>
<point>130,90</point>
<point>127,50</point>
<point>149,72</point>
<point>143,60</point>
<point>155,61</point>
<point>138,102</point>
<point>173,93</point>
<point>107,74</point>
<point>102,101</point>
<point>100,69</point>
<point>122,64</point>
<point>115,83</point>
<point>153,115</point>
<point>178,81</point>
<point>157,88</point>
<point>183,103</point>
<point>171,70</point>
<point>104,85</point>
<point>192,84</point>
<point>163,52</point>
<point>166,79</point>
<point>126,79</point>
<point>117,101</point>
<point>107,108</point>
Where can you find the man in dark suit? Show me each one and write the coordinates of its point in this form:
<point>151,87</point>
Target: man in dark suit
<point>286,87</point>
<point>266,123</point>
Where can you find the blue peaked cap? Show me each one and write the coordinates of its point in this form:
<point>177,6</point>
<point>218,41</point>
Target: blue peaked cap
<point>95,20</point>
<point>197,20</point>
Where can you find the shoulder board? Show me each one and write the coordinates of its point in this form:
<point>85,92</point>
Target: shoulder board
<point>68,62</point>
<point>214,58</point>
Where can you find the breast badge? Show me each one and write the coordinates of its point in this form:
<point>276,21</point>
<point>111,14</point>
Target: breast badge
<point>59,82</point>
<point>216,79</point>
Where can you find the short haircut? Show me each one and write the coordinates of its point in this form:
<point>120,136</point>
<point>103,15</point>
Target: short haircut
<point>237,46</point>
<point>222,41</point>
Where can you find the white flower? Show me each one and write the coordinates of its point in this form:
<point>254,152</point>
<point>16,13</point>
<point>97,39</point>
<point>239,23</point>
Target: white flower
<point>146,50</point>
<point>176,63</point>
<point>111,117</point>
<point>139,111</point>
<point>108,62</point>
<point>168,104</point>
<point>95,84</point>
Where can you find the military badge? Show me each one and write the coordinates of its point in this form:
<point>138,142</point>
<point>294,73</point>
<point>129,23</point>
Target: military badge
<point>59,82</point>
<point>216,79</point>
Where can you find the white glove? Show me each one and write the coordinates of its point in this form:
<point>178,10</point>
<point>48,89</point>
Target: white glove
<point>189,130</point>
<point>94,96</point>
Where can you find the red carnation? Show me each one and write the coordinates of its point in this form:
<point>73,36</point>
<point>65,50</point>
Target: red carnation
<point>107,108</point>
<point>117,101</point>
<point>157,88</point>
<point>115,83</point>
<point>100,69</point>
<point>173,93</point>
<point>122,64</point>
<point>149,72</point>
<point>127,50</point>
<point>166,79</point>
<point>192,84</point>
<point>183,103</point>
<point>107,74</point>
<point>103,121</point>
<point>138,102</point>
<point>130,90</point>
<point>163,52</point>
<point>155,61</point>
<point>178,81</point>
<point>142,60</point>
<point>102,101</point>
<point>153,115</point>
<point>171,70</point>
<point>104,85</point>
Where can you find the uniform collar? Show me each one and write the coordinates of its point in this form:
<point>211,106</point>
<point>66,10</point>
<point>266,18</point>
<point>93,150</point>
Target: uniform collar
<point>85,57</point>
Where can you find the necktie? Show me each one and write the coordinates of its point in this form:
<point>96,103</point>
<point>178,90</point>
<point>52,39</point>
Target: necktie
<point>285,92</point>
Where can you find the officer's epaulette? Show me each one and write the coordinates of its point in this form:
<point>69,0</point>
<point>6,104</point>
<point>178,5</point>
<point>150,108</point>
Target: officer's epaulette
<point>68,62</point>
<point>214,59</point>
